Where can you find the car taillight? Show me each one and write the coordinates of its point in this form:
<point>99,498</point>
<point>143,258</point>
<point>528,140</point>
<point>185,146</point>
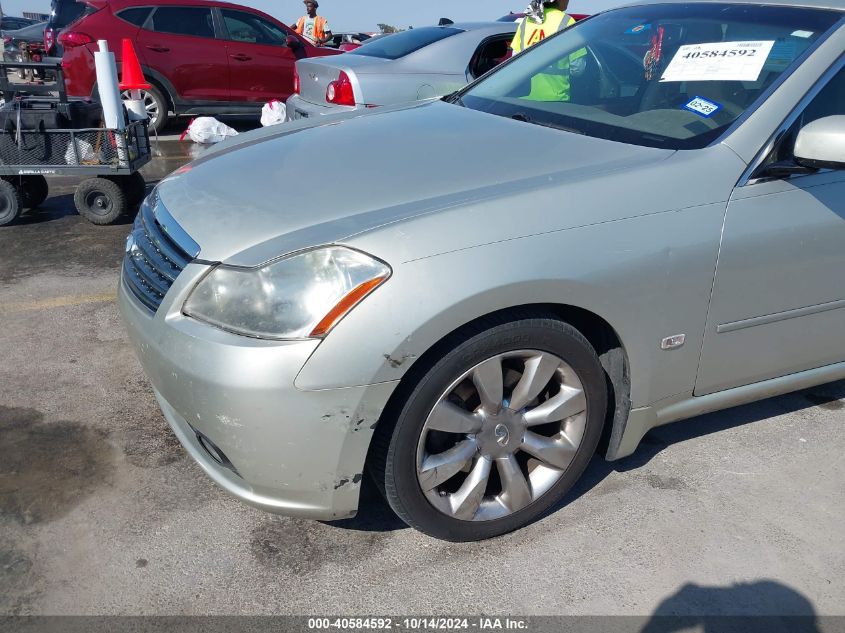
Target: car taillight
<point>71,39</point>
<point>49,38</point>
<point>340,91</point>
<point>296,85</point>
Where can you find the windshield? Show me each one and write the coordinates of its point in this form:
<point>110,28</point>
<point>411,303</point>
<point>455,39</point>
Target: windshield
<point>404,43</point>
<point>671,76</point>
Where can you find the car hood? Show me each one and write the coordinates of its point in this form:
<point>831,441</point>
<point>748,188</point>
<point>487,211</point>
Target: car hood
<point>271,193</point>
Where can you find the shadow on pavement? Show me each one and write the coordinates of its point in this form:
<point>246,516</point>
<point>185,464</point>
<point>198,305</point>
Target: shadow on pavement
<point>765,606</point>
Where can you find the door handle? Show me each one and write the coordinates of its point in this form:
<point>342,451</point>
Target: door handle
<point>159,49</point>
<point>241,57</point>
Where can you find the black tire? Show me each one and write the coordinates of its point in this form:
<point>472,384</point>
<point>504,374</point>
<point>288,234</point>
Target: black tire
<point>393,458</point>
<point>134,186</point>
<point>100,201</point>
<point>10,202</point>
<point>34,191</point>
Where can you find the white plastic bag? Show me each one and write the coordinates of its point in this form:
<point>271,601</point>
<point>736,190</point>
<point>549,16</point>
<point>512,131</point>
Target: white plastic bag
<point>84,150</point>
<point>208,130</point>
<point>273,113</point>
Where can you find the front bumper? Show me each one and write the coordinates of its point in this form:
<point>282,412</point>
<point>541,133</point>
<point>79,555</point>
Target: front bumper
<point>293,452</point>
<point>298,108</point>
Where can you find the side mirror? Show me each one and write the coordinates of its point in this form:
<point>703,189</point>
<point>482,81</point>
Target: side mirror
<point>821,144</point>
<point>293,43</point>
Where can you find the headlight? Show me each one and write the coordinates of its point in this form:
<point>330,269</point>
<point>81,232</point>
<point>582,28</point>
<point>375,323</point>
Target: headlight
<point>301,296</point>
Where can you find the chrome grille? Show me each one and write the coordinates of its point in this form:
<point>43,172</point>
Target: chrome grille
<point>153,259</point>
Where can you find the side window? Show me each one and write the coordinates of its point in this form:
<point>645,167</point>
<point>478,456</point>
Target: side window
<point>252,29</point>
<point>194,21</point>
<point>135,16</point>
<point>489,55</point>
<point>829,102</point>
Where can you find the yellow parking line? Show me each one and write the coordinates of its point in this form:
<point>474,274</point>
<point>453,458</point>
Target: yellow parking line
<point>56,302</point>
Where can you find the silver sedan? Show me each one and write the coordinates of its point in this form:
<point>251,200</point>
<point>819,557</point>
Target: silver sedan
<point>408,66</point>
<point>551,262</point>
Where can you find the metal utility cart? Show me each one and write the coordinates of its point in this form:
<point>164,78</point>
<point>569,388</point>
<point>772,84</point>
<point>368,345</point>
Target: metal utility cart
<point>108,159</point>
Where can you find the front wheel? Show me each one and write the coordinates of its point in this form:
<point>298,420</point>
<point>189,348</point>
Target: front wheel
<point>100,201</point>
<point>496,432</point>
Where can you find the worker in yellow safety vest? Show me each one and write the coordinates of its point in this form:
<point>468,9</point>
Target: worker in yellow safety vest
<point>313,27</point>
<point>544,18</point>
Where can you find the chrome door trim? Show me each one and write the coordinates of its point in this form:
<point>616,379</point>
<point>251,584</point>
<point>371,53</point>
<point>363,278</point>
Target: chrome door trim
<point>780,316</point>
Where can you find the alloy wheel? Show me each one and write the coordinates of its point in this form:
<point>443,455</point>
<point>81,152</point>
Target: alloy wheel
<point>151,105</point>
<point>501,435</point>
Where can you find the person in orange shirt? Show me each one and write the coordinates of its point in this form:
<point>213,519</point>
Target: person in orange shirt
<point>313,27</point>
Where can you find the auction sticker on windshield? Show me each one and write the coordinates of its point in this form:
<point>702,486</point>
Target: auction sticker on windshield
<point>721,61</point>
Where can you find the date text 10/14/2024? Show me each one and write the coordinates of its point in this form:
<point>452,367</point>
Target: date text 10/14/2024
<point>482,623</point>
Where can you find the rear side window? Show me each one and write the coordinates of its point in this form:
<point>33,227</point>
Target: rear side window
<point>404,43</point>
<point>135,16</point>
<point>490,54</point>
<point>193,21</point>
<point>252,29</point>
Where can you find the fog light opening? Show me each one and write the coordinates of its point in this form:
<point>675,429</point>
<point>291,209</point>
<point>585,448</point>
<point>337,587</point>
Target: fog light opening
<point>215,453</point>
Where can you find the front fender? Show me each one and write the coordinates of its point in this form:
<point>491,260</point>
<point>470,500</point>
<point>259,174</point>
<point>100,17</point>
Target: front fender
<point>649,277</point>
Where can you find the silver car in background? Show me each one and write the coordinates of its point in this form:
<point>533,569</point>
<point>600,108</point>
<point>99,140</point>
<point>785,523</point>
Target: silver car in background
<point>409,66</point>
<point>468,312</point>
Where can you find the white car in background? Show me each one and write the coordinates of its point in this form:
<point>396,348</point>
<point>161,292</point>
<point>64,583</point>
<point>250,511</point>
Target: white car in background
<point>409,66</point>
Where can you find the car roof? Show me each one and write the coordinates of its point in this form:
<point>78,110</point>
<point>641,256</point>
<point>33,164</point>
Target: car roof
<point>835,5</point>
<point>498,27</point>
<point>157,3</point>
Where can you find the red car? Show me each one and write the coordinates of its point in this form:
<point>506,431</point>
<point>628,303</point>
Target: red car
<point>201,57</point>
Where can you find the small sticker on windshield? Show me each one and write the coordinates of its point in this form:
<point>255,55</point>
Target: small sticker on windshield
<point>804,34</point>
<point>640,28</point>
<point>703,107</point>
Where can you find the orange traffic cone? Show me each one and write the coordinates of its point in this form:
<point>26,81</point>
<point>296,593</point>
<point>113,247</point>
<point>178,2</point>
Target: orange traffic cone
<point>132,76</point>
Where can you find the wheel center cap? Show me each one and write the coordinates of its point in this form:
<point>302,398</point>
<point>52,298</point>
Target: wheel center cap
<point>502,434</point>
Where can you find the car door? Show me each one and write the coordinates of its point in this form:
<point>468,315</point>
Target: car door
<point>181,44</point>
<point>261,65</point>
<point>778,304</point>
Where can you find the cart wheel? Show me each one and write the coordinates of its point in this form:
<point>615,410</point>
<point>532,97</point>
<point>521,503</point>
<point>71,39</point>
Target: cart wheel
<point>100,201</point>
<point>34,191</point>
<point>134,186</point>
<point>10,202</point>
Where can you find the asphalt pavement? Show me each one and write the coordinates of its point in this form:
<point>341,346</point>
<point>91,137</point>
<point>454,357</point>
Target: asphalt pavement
<point>102,512</point>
